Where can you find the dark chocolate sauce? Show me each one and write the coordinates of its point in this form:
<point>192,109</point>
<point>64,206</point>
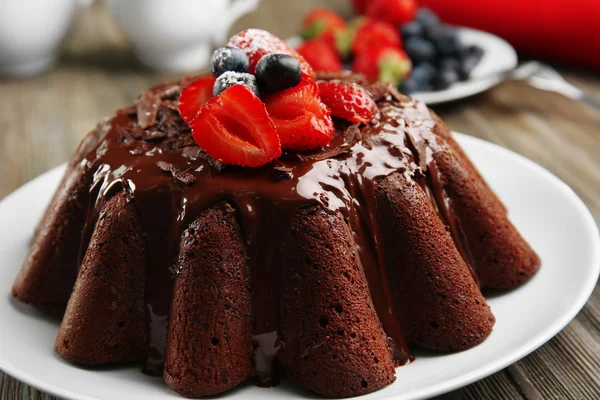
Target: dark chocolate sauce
<point>158,163</point>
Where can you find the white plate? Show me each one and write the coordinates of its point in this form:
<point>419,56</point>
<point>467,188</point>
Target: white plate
<point>499,56</point>
<point>550,216</point>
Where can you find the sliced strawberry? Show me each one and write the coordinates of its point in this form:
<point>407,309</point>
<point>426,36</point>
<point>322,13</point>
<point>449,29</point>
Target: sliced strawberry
<point>256,43</point>
<point>194,97</point>
<point>234,128</point>
<point>347,101</point>
<point>396,12</point>
<point>385,64</point>
<point>372,33</point>
<point>324,24</point>
<point>303,122</point>
<point>320,56</point>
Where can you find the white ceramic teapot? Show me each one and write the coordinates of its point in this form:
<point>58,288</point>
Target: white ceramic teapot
<point>178,35</point>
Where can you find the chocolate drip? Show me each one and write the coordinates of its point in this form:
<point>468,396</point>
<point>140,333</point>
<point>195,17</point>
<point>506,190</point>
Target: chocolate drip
<point>172,182</point>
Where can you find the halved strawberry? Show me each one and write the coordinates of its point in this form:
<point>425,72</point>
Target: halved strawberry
<point>385,64</point>
<point>324,24</point>
<point>256,43</point>
<point>235,128</point>
<point>348,101</point>
<point>303,122</point>
<point>372,33</point>
<point>194,97</point>
<point>320,56</point>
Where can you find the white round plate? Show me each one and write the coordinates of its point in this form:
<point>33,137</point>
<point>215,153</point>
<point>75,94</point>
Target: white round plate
<point>550,216</point>
<point>499,56</point>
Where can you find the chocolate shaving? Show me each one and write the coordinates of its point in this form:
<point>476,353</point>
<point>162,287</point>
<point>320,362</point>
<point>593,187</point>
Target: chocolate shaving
<point>351,135</point>
<point>147,108</point>
<point>191,152</point>
<point>183,176</point>
<point>218,165</point>
<point>170,93</point>
<point>154,135</point>
<point>281,172</point>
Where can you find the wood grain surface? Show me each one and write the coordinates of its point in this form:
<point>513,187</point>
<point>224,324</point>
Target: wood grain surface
<point>42,119</point>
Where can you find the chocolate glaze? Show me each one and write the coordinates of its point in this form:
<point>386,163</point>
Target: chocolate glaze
<point>156,161</point>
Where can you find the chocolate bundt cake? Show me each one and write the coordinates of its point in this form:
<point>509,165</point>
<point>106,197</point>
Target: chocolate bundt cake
<point>324,266</point>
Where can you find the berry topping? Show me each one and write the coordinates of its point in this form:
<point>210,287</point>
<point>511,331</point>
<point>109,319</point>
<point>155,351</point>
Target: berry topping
<point>256,43</point>
<point>320,56</point>
<point>234,128</point>
<point>230,78</point>
<point>419,49</point>
<point>276,72</point>
<point>387,64</point>
<point>228,59</point>
<point>396,12</point>
<point>372,34</point>
<point>303,122</point>
<point>324,24</point>
<point>411,29</point>
<point>194,97</point>
<point>350,102</point>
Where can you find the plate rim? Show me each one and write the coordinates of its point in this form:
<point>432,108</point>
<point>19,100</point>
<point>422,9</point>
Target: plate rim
<point>502,362</point>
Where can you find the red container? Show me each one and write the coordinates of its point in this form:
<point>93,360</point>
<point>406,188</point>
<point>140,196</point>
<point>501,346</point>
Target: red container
<point>563,30</point>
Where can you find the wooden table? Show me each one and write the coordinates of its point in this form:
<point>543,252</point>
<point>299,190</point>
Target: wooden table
<point>43,118</point>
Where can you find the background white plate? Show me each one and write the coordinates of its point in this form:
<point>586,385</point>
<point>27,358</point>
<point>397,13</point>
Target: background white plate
<point>550,216</point>
<point>499,56</point>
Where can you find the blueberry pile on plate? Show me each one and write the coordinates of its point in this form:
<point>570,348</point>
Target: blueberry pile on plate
<point>438,56</point>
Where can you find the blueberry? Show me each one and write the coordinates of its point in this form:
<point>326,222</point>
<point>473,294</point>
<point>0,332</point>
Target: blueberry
<point>230,78</point>
<point>422,76</point>
<point>445,79</point>
<point>276,72</point>
<point>470,57</point>
<point>228,59</point>
<point>419,49</point>
<point>411,29</point>
<point>448,42</point>
<point>427,17</point>
<point>409,86</point>
<point>429,68</point>
<point>449,63</point>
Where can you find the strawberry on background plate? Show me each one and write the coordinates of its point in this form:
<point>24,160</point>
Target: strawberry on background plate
<point>320,56</point>
<point>194,97</point>
<point>235,128</point>
<point>257,42</point>
<point>303,122</point>
<point>371,34</point>
<point>395,12</point>
<point>348,101</point>
<point>386,64</point>
<point>324,24</point>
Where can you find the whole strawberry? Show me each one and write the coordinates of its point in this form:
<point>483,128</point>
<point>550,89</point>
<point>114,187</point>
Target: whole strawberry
<point>395,12</point>
<point>324,24</point>
<point>385,64</point>
<point>372,33</point>
<point>347,101</point>
<point>320,56</point>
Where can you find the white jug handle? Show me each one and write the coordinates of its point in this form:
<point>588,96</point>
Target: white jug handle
<point>236,10</point>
